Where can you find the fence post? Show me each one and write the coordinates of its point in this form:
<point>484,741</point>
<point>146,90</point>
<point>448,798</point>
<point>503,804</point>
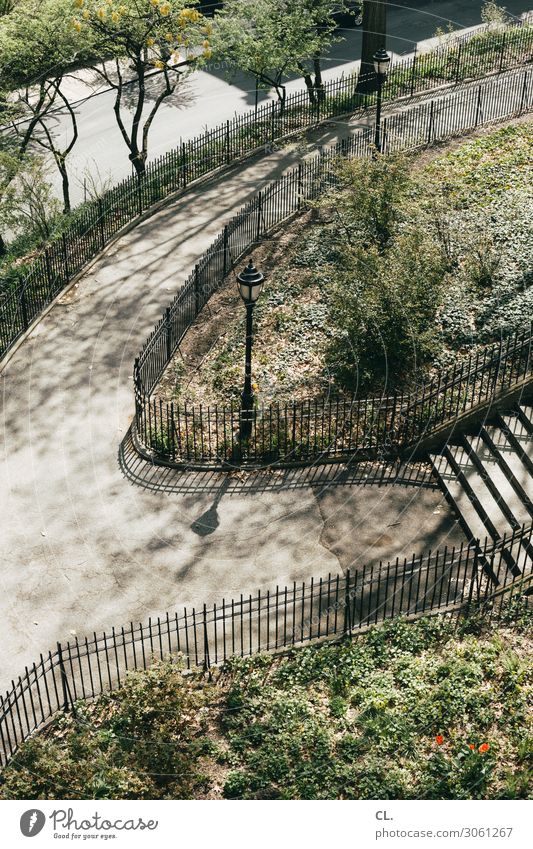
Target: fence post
<point>273,118</point>
<point>524,92</point>
<point>383,135</point>
<point>169,333</point>
<point>207,662</point>
<point>67,697</point>
<point>300,184</point>
<point>65,256</point>
<point>414,70</point>
<point>497,369</point>
<point>184,164</point>
<point>24,307</point>
<point>347,605</point>
<point>228,154</point>
<point>458,71</point>
<point>101,221</point>
<point>259,215</point>
<point>474,577</point>
<point>431,111</point>
<point>478,107</point>
<point>225,252</point>
<point>48,268</point>
<point>137,389</point>
<point>197,287</point>
<point>502,54</point>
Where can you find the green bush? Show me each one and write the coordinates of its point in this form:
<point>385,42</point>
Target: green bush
<point>144,741</point>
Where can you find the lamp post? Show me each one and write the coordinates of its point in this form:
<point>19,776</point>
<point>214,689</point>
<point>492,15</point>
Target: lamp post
<point>250,282</point>
<point>381,61</point>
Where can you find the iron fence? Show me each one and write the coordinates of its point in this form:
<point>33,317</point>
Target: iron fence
<point>29,289</point>
<point>338,426</point>
<point>451,581</point>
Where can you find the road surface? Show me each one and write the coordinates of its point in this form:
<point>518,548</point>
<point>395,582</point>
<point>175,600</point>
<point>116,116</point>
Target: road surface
<point>207,98</point>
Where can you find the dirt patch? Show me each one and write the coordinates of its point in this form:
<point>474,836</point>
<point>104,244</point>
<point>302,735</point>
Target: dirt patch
<point>201,373</point>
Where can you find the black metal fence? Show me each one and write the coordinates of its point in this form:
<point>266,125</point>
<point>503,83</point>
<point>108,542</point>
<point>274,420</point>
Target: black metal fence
<point>334,427</point>
<point>452,582</point>
<point>29,289</point>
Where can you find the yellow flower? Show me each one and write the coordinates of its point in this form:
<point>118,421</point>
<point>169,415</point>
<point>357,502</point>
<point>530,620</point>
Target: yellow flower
<point>150,42</point>
<point>169,36</point>
<point>76,25</point>
<point>79,3</point>
<point>101,13</point>
<point>164,9</point>
<point>205,44</point>
<point>115,17</point>
<point>159,64</point>
<point>207,53</point>
<point>86,14</point>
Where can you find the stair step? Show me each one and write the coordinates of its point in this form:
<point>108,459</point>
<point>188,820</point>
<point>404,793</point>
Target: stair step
<point>471,521</point>
<point>523,481</point>
<point>514,506</point>
<point>515,424</point>
<point>525,414</point>
<point>488,478</point>
<point>487,504</point>
<point>512,458</point>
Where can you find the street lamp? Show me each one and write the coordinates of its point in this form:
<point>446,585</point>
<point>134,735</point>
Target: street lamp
<point>250,282</point>
<point>381,61</point>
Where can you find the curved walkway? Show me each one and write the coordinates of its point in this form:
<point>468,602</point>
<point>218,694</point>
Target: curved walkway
<point>90,539</point>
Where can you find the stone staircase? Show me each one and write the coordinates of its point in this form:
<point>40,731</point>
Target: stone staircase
<point>488,480</point>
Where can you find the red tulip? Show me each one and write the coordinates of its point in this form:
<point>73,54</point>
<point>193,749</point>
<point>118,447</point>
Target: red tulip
<point>484,747</point>
<point>439,739</point>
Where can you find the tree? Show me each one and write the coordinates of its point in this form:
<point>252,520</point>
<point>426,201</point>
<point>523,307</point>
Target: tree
<point>138,37</point>
<point>374,38</point>
<point>26,199</point>
<point>389,273</point>
<point>39,46</point>
<point>272,39</point>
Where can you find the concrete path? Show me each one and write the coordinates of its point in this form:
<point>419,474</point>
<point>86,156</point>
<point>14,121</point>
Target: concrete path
<point>92,539</point>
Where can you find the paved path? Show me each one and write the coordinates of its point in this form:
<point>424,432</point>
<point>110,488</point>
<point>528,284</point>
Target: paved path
<point>85,546</point>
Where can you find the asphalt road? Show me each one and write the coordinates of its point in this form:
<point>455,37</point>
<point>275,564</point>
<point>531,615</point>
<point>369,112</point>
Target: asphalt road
<point>207,98</point>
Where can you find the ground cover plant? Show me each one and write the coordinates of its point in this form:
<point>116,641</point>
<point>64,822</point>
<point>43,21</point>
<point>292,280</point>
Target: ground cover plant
<point>410,710</point>
<point>409,265</point>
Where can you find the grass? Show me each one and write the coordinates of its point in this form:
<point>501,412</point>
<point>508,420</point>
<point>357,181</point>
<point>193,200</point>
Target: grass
<point>399,713</point>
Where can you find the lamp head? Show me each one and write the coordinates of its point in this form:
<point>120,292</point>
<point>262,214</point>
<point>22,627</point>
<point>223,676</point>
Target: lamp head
<point>250,282</point>
<point>381,61</point>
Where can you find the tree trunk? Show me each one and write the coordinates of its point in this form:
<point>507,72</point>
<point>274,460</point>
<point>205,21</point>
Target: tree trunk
<point>65,186</point>
<point>308,84</point>
<point>3,246</point>
<point>374,37</point>
<point>319,83</point>
<point>281,92</point>
<point>138,162</point>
